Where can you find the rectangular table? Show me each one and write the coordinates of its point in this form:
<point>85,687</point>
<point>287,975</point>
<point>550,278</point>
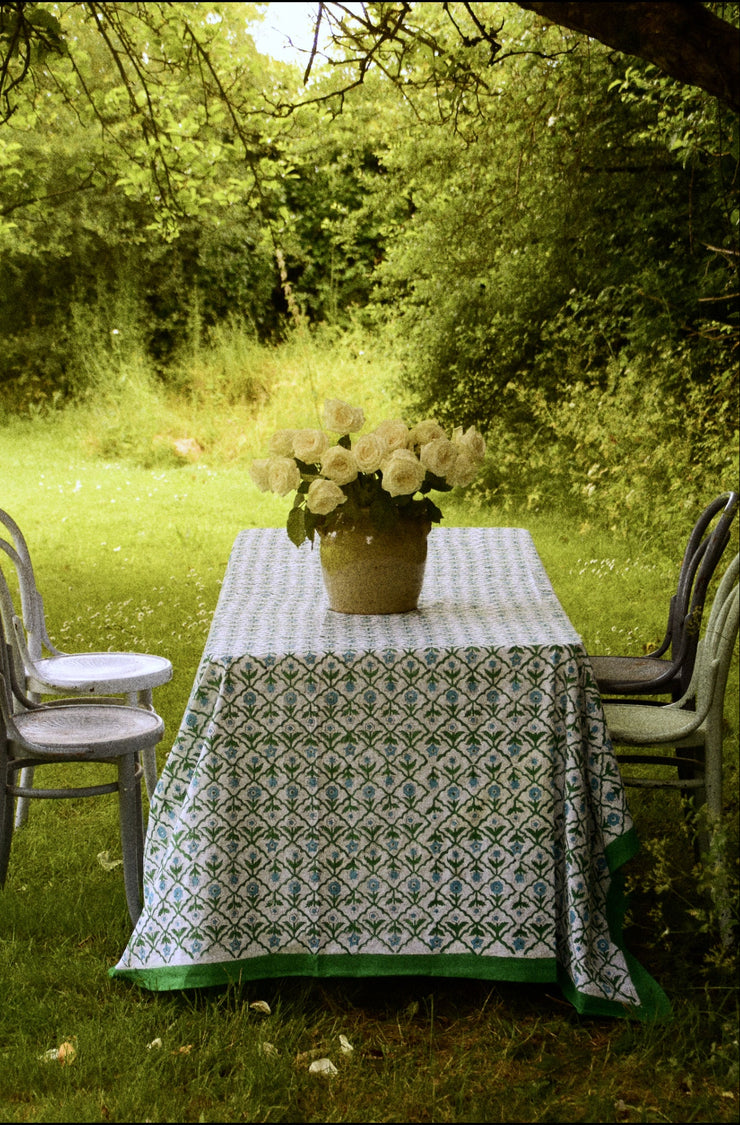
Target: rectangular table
<point>427,793</point>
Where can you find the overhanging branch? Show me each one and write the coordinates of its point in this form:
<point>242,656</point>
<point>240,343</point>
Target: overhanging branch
<point>683,39</point>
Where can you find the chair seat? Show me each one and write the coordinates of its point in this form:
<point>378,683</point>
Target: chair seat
<point>102,672</point>
<point>92,731</point>
<point>640,724</point>
<point>611,671</point>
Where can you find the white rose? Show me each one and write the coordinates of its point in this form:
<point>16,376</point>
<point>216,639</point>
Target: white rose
<point>341,418</point>
<point>471,442</point>
<point>281,443</point>
<point>339,465</point>
<point>424,432</point>
<point>393,433</point>
<point>464,471</point>
<point>260,474</point>
<point>323,496</point>
<point>308,445</point>
<point>283,475</point>
<point>402,473</point>
<point>439,456</point>
<point>399,455</point>
<point>369,451</point>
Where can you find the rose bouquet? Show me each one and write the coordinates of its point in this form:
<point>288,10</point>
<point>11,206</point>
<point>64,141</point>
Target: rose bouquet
<point>384,475</point>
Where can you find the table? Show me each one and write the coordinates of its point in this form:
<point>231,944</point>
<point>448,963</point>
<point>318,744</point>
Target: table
<point>431,793</point>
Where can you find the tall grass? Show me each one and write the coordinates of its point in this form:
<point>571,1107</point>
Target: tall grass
<point>130,538</point>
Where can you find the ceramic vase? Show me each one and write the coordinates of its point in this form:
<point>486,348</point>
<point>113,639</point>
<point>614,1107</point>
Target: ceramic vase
<point>369,571</point>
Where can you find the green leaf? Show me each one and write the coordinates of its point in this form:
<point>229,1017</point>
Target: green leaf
<point>439,484</point>
<point>296,526</point>
<point>433,512</point>
<point>40,17</point>
<point>311,523</point>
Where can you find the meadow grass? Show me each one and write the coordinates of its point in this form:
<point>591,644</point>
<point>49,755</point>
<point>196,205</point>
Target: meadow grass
<point>130,543</point>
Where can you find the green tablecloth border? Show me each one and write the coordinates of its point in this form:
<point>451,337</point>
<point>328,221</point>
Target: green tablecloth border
<point>541,970</point>
<point>654,1004</point>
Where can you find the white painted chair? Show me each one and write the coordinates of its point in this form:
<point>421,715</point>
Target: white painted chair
<point>74,730</point>
<point>694,723</point>
<point>48,671</point>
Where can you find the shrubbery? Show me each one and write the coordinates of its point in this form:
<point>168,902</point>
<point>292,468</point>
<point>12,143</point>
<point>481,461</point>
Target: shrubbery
<point>632,455</point>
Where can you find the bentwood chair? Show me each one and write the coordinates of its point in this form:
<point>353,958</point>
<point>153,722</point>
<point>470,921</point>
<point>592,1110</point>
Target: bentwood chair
<point>49,671</point>
<point>74,731</point>
<point>691,726</point>
<point>668,670</point>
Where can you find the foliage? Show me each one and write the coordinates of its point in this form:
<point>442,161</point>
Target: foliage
<point>206,212</point>
<point>633,455</point>
<point>97,207</point>
<point>535,254</point>
<point>545,235</point>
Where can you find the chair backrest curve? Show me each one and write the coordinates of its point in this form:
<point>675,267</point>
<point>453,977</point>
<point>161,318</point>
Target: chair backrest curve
<point>10,629</point>
<point>7,655</point>
<point>700,562</point>
<point>716,647</point>
<point>32,605</point>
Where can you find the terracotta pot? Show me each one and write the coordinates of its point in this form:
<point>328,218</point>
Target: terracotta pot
<point>371,571</point>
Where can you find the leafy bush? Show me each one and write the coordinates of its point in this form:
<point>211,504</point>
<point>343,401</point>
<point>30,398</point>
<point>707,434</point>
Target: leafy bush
<point>631,456</point>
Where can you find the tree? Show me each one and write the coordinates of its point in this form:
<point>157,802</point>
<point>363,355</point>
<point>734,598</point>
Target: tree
<point>148,45</point>
<point>685,40</point>
<point>130,202</point>
<point>146,189</point>
<point>538,257</point>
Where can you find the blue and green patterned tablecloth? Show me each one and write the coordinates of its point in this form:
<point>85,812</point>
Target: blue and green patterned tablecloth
<point>427,793</point>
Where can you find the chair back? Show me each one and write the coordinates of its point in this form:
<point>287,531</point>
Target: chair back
<point>12,675</point>
<point>10,630</point>
<point>714,652</point>
<point>703,552</point>
<point>32,605</point>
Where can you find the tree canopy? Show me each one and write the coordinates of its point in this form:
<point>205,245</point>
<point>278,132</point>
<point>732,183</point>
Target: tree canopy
<point>529,209</point>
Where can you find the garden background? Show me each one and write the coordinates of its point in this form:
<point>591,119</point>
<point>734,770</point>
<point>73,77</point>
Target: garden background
<point>494,220</point>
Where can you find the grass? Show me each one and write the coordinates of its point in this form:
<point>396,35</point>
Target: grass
<point>130,544</point>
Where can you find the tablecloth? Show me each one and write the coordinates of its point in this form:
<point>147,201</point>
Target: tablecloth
<point>424,793</point>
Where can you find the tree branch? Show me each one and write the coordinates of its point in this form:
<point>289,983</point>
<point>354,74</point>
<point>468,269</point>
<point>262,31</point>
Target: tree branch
<point>683,39</point>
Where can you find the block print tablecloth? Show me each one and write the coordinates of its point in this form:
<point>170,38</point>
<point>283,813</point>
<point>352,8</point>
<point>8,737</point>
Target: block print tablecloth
<point>425,793</point>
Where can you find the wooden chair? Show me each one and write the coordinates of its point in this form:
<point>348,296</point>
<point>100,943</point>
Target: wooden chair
<point>48,671</point>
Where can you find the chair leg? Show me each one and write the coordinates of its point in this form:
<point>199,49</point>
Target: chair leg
<point>143,699</point>
<point>149,763</point>
<point>720,888</point>
<point>132,833</point>
<point>6,816</point>
<point>694,797</point>
<point>24,803</point>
